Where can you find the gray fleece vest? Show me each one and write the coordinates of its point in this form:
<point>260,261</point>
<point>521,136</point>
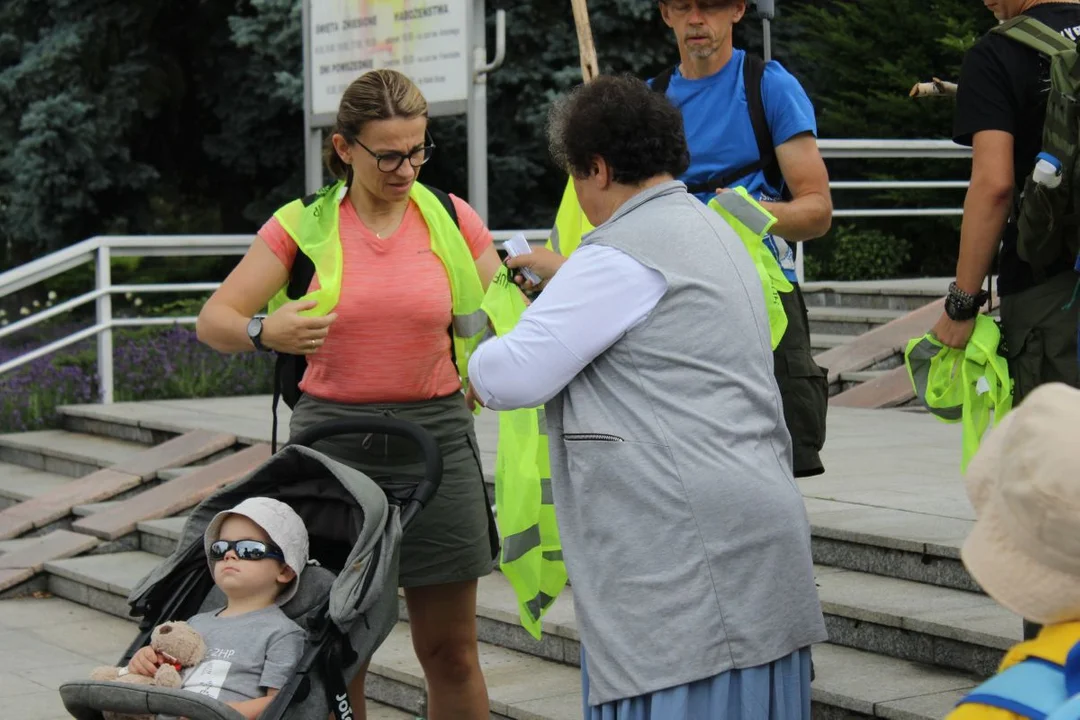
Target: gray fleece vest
<point>685,536</point>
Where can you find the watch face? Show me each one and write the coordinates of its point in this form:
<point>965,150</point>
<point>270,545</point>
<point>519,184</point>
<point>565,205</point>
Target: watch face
<point>254,328</point>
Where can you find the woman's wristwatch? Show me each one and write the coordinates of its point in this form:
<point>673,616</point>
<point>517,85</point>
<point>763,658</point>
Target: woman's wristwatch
<point>254,333</point>
<point>961,306</point>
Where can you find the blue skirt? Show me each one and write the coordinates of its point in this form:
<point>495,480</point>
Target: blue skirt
<point>777,691</point>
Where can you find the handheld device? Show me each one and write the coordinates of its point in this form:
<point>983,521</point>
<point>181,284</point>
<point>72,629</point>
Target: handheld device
<point>518,245</point>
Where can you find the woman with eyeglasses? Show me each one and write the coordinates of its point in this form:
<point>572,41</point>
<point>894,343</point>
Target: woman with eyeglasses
<point>378,329</point>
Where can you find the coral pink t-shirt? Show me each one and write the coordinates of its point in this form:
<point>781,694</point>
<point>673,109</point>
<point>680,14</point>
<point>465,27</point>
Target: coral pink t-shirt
<point>390,341</point>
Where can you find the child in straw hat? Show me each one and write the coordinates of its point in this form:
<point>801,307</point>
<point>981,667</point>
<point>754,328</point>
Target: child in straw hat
<point>1025,553</point>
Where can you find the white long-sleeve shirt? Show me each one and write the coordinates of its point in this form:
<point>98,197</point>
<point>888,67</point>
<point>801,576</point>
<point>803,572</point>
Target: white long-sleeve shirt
<point>593,300</point>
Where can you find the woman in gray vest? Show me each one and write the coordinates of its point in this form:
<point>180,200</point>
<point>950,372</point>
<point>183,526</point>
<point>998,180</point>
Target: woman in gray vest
<point>685,535</point>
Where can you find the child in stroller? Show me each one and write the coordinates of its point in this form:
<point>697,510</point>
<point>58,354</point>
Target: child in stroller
<point>345,601</point>
<point>257,552</point>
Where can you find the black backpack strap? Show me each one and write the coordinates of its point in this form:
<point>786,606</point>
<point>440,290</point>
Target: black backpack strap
<point>753,73</point>
<point>447,204</point>
<point>288,369</point>
<point>660,82</point>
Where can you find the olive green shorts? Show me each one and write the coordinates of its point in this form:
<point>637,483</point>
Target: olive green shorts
<point>452,539</point>
<point>1039,329</point>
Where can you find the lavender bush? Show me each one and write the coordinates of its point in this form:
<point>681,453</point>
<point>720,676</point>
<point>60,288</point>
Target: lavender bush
<point>149,364</point>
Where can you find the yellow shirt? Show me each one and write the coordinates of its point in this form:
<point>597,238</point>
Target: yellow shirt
<point>1053,643</point>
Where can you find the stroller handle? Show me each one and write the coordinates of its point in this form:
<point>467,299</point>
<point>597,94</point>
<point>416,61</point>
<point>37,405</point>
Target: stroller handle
<point>433,460</point>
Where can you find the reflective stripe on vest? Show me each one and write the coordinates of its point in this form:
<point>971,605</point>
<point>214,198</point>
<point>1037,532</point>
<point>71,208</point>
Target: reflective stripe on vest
<point>966,385</point>
<point>532,558</point>
<point>315,230</point>
<point>751,222</point>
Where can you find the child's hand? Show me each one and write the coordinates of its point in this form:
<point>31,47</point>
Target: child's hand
<point>145,662</point>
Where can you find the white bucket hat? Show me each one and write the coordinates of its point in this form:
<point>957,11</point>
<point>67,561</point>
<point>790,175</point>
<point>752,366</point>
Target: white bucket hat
<point>283,526</point>
<point>1025,486</point>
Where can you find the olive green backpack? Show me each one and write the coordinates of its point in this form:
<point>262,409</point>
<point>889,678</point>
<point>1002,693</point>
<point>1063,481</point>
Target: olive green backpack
<point>1047,218</point>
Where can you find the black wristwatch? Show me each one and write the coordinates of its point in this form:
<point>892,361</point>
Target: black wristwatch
<point>961,306</point>
<point>254,331</point>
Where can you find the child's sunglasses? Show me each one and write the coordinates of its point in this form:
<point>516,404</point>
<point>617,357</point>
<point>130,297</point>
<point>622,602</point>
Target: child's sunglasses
<point>245,550</point>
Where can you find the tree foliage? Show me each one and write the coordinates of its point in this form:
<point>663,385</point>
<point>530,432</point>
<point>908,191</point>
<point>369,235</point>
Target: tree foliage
<point>159,116</point>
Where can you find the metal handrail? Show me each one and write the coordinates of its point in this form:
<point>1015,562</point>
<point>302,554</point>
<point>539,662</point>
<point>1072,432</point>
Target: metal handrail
<point>101,250</point>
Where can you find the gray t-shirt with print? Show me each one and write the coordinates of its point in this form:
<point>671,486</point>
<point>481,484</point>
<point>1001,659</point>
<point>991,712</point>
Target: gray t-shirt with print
<point>245,654</point>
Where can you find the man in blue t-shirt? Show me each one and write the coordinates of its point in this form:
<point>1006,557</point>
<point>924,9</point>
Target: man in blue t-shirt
<point>708,86</point>
<point>779,165</point>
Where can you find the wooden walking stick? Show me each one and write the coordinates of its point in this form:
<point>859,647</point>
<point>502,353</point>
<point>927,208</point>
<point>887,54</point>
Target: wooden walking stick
<point>590,67</point>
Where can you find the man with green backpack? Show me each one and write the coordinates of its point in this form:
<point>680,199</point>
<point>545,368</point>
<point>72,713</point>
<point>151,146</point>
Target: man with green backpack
<point>1017,108</point>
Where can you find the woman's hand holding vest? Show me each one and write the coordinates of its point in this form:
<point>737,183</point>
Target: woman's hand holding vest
<point>287,331</point>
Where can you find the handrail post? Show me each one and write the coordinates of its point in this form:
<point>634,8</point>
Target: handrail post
<point>103,281</point>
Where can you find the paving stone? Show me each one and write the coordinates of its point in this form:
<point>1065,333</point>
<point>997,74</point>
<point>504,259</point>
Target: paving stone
<point>102,633</point>
<point>31,613</point>
<point>12,685</point>
<point>173,496</point>
<point>117,573</point>
<point>44,705</point>
<point>24,651</point>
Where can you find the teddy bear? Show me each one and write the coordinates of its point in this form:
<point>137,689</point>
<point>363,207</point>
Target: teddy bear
<point>181,645</point>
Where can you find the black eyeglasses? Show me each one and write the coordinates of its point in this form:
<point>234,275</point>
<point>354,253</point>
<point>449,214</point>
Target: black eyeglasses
<point>245,550</point>
<point>389,162</point>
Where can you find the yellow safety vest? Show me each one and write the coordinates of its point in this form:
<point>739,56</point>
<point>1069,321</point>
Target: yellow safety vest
<point>750,221</point>
<point>532,558</point>
<point>962,385</point>
<point>314,227</point>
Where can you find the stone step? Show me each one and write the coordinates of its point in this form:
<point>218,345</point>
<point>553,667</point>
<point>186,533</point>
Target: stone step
<point>160,536</point>
<point>821,342</point>
<point>883,541</point>
<point>62,452</point>
<point>849,683</point>
<point>889,295</point>
<point>18,483</point>
<point>91,508</point>
<point>915,546</point>
<point>848,321</point>
<point>848,380</point>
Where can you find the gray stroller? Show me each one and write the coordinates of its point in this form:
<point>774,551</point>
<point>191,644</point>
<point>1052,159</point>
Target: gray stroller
<point>347,603</point>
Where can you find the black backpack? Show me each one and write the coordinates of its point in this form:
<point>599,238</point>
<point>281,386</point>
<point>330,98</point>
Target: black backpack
<point>289,369</point>
<point>753,72</point>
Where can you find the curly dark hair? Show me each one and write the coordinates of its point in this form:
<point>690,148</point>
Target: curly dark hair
<point>637,131</point>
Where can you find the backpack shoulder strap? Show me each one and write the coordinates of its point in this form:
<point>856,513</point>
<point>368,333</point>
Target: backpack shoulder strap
<point>447,203</point>
<point>1036,35</point>
<point>661,82</point>
<point>753,73</point>
<point>1033,689</point>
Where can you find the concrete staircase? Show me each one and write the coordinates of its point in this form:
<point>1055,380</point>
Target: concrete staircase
<point>909,633</point>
